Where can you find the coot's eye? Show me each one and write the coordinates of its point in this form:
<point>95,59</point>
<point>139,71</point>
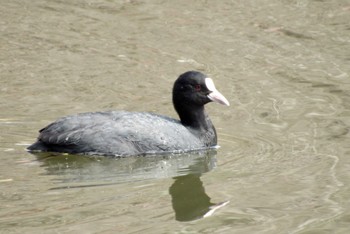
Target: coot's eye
<point>197,87</point>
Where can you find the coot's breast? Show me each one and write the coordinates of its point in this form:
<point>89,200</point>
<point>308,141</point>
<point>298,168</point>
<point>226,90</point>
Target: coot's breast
<point>119,133</point>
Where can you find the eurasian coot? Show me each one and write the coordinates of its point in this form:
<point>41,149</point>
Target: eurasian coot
<point>124,133</point>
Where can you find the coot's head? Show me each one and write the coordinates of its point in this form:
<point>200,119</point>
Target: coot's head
<point>194,89</point>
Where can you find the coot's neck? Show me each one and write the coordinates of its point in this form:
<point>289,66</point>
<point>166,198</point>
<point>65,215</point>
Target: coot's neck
<point>194,117</point>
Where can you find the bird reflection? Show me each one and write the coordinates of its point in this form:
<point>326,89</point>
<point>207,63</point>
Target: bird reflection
<point>189,200</point>
<point>71,170</point>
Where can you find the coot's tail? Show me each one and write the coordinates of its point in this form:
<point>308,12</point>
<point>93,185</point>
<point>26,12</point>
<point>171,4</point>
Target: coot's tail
<point>38,146</point>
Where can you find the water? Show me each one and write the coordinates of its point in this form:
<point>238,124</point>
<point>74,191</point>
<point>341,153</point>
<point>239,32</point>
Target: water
<point>283,165</point>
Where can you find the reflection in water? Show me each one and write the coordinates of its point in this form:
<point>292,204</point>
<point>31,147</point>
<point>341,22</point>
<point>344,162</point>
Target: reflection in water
<point>189,199</point>
<point>77,171</point>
